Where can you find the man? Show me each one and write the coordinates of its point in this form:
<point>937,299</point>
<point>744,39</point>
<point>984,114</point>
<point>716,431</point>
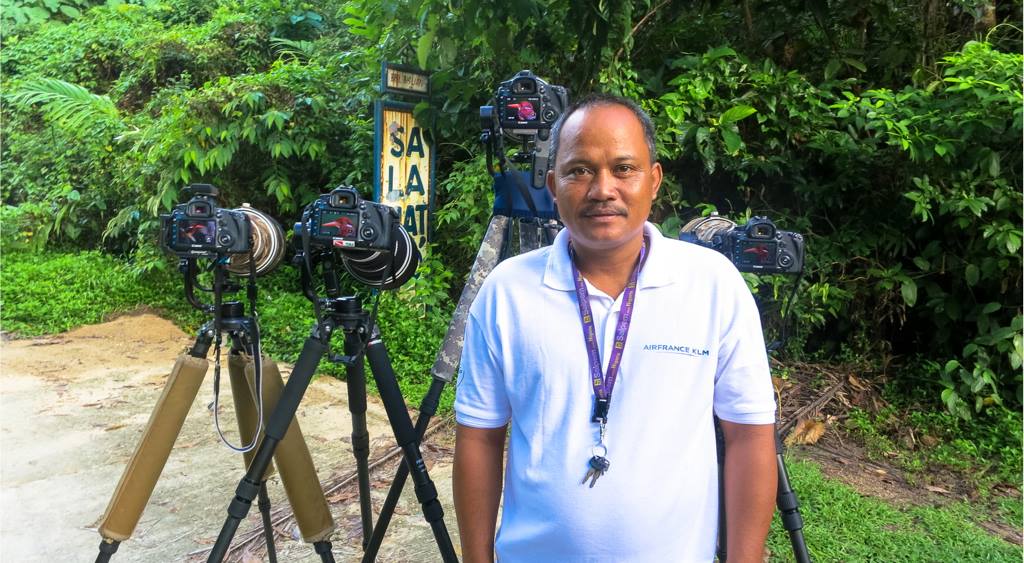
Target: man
<point>612,448</point>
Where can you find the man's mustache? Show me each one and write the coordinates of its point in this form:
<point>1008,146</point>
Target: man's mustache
<point>598,210</point>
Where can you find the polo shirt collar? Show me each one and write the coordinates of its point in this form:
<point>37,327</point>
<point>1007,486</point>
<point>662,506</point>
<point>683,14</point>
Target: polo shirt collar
<point>657,271</point>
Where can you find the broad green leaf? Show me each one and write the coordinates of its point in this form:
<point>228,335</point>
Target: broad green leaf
<point>990,308</point>
<point>993,165</point>
<point>856,64</point>
<point>718,52</point>
<point>423,48</point>
<point>909,291</point>
<point>736,113</point>
<point>733,142</point>
<point>832,68</point>
<point>971,274</point>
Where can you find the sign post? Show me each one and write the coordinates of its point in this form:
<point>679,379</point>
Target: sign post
<point>403,174</point>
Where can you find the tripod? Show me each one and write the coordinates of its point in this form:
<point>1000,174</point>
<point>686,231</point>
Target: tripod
<point>292,459</point>
<point>361,338</point>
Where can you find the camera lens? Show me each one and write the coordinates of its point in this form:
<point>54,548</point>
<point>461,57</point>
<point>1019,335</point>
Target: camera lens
<point>386,270</point>
<point>267,244</point>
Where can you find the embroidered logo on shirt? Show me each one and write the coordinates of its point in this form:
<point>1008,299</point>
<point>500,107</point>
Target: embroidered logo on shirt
<point>673,349</point>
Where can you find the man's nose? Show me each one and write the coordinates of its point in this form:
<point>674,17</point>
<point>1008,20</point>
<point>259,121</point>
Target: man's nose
<point>603,186</point>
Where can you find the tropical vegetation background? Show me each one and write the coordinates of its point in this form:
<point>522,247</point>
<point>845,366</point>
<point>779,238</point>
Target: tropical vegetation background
<point>888,132</point>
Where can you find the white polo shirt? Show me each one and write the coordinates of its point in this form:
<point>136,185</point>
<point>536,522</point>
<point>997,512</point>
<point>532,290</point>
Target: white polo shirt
<point>694,348</point>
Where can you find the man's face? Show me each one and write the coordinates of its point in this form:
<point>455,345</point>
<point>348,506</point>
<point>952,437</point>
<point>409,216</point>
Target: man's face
<point>603,180</point>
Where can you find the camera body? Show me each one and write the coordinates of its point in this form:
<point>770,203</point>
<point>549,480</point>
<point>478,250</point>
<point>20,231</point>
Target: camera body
<point>199,227</point>
<point>343,220</point>
<point>527,103</point>
<point>757,246</point>
<point>525,109</point>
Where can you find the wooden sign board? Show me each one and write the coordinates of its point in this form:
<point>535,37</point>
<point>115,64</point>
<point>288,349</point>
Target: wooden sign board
<point>404,172</point>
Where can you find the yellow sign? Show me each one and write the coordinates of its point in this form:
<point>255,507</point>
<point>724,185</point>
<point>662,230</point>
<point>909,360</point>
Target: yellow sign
<point>406,169</point>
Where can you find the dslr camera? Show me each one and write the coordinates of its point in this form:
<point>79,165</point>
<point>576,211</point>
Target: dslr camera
<point>758,246</point>
<point>199,228</point>
<point>524,110</point>
<point>374,247</point>
<point>345,221</point>
<point>525,102</point>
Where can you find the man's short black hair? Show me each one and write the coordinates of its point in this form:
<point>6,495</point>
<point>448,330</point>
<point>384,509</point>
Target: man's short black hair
<point>599,99</point>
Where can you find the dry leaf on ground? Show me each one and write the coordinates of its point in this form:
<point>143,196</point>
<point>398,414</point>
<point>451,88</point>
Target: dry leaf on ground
<point>806,432</point>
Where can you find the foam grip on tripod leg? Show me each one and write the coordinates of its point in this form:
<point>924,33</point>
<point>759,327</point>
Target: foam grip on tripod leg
<point>151,453</point>
<point>295,465</point>
<point>243,393</point>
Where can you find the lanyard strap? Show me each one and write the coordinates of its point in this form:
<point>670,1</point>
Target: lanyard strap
<point>603,385</point>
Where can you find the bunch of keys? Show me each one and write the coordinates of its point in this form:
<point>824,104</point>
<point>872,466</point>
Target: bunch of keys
<point>598,466</point>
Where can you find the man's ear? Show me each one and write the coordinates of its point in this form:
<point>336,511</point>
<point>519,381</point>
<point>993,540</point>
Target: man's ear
<point>656,177</point>
<point>550,181</point>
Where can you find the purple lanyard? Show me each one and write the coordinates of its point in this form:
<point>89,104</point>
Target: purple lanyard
<point>603,384</point>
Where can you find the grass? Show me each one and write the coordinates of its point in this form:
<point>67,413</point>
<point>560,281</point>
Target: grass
<point>842,525</point>
<point>47,293</point>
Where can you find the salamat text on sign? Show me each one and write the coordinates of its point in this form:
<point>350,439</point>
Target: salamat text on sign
<point>405,173</point>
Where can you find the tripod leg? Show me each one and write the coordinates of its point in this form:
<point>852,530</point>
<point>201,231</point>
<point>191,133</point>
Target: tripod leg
<point>146,464</point>
<point>789,507</point>
<point>487,258</point>
<point>248,419</point>
<point>405,434</point>
<point>355,379</point>
<point>427,410</point>
<point>312,351</point>
<point>294,462</point>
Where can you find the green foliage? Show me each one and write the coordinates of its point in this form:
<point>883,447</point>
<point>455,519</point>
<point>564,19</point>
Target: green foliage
<point>985,450</point>
<point>843,525</point>
<point>781,139</point>
<point>463,219</point>
<point>69,105</point>
<point>875,128</point>
<point>21,12</point>
<point>45,293</point>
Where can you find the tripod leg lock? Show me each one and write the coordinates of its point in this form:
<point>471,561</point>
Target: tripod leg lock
<point>789,511</point>
<point>361,444</point>
<point>244,495</point>
<point>109,547</point>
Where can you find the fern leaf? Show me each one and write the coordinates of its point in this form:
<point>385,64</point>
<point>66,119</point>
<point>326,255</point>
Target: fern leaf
<point>67,104</point>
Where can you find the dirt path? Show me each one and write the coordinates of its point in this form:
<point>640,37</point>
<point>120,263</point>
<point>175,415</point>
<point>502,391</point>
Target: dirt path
<point>72,408</point>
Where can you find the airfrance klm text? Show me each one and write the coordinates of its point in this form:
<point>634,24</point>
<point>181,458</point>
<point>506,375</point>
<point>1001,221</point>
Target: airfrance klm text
<point>673,349</point>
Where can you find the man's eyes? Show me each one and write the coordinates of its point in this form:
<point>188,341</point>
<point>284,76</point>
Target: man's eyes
<point>618,170</point>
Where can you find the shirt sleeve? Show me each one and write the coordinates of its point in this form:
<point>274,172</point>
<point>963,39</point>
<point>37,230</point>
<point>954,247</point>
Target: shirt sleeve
<point>743,384</point>
<point>480,397</point>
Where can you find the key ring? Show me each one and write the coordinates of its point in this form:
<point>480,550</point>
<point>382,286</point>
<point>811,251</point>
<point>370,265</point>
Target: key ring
<point>599,447</point>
